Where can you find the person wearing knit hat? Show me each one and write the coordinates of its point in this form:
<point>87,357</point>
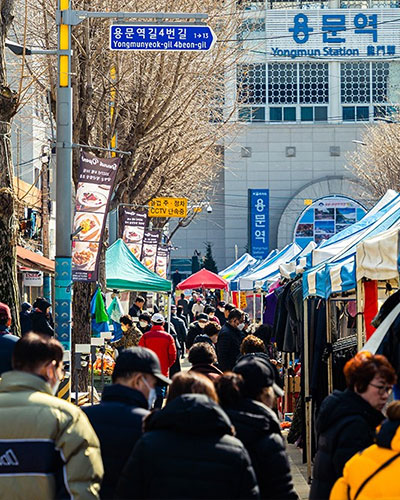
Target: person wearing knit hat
<point>7,339</point>
<point>41,319</point>
<point>25,318</point>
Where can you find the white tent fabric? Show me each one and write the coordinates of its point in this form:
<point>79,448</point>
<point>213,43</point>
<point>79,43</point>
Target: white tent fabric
<point>271,267</point>
<point>296,266</point>
<point>240,265</point>
<point>377,257</point>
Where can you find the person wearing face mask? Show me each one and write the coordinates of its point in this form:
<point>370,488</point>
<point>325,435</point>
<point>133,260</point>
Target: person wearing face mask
<point>7,339</point>
<point>195,329</point>
<point>118,419</point>
<point>130,334</point>
<point>48,448</point>
<point>144,322</point>
<point>230,339</point>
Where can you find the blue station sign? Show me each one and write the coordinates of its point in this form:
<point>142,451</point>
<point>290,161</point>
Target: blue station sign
<point>258,222</point>
<point>161,38</point>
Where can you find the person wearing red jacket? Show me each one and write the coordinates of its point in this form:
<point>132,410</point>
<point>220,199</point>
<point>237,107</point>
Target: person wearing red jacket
<point>162,343</point>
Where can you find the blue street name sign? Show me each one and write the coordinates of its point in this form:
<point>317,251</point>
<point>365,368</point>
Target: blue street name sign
<point>162,38</point>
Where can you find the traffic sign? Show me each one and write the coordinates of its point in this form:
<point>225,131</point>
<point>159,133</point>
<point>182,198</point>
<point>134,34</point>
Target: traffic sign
<point>168,207</point>
<point>161,38</point>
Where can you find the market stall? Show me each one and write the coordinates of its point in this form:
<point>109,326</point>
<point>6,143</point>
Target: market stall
<point>203,279</point>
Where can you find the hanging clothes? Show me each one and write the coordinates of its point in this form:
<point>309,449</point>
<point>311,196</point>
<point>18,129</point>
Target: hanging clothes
<point>370,306</point>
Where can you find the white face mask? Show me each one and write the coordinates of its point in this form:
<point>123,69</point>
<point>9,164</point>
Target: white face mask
<point>143,324</point>
<point>152,394</point>
<point>241,326</point>
<point>54,388</point>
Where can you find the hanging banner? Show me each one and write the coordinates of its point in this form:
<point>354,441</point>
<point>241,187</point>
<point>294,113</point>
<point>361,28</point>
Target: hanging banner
<point>149,250</point>
<point>133,226</point>
<point>95,184</point>
<point>258,222</point>
<point>162,261</point>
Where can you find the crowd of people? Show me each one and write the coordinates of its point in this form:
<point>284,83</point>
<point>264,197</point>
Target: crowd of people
<point>211,432</point>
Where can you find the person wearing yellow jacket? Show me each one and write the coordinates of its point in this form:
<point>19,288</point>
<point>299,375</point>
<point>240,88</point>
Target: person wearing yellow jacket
<point>374,472</point>
<point>48,449</point>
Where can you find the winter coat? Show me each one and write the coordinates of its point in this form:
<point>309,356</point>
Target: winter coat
<point>7,344</point>
<point>180,328</point>
<point>25,321</point>
<point>41,323</point>
<point>221,316</point>
<point>210,371</point>
<point>345,425</point>
<point>118,421</point>
<point>228,346</point>
<point>373,463</point>
<point>130,338</point>
<point>188,451</point>
<point>162,343</point>
<point>134,311</point>
<point>50,445</point>
<point>258,428</point>
<point>193,331</point>
<point>197,308</point>
<point>204,338</point>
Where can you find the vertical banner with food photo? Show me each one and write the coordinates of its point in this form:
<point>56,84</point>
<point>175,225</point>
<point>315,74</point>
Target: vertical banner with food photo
<point>149,250</point>
<point>133,226</point>
<point>95,184</point>
<point>162,261</point>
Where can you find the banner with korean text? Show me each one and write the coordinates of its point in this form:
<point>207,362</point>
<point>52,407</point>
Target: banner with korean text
<point>96,179</point>
<point>149,249</point>
<point>258,222</point>
<point>162,261</point>
<point>133,226</point>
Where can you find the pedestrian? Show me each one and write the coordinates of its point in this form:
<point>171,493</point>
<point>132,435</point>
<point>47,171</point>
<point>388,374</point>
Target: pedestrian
<point>130,334</point>
<point>229,340</point>
<point>41,319</point>
<point>198,307</point>
<point>180,328</point>
<point>25,319</point>
<point>203,359</point>
<point>220,312</point>
<point>188,450</point>
<point>347,420</point>
<point>162,343</point>
<point>210,311</point>
<point>227,309</point>
<point>7,339</point>
<point>184,303</point>
<point>118,419</point>
<point>192,302</point>
<point>374,472</point>
<point>196,328</point>
<point>209,335</point>
<point>48,448</point>
<point>179,313</point>
<point>248,396</point>
<point>251,344</point>
<point>137,307</point>
<point>144,322</point>
<point>176,279</point>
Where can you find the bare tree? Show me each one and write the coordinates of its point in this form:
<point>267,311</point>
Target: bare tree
<point>376,161</point>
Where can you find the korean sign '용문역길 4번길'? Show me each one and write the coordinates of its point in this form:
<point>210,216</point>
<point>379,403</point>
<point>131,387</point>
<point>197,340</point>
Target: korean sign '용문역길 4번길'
<point>336,34</point>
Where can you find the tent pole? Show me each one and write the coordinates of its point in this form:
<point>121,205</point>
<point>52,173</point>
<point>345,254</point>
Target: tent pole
<point>329,342</point>
<point>254,306</point>
<point>307,397</point>
<point>360,316</point>
<point>169,311</point>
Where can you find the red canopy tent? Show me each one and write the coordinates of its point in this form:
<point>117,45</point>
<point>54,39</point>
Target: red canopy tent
<point>203,279</point>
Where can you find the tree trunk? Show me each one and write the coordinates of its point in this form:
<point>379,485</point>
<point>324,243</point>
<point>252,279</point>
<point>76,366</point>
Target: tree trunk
<point>8,223</point>
<point>81,324</point>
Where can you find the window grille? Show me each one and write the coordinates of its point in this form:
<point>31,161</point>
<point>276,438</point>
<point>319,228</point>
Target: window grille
<point>355,82</point>
<point>282,83</point>
<point>251,83</point>
<point>314,83</point>
<point>380,76</point>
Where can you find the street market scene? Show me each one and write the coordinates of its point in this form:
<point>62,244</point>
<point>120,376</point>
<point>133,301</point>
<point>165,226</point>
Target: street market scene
<point>200,249</point>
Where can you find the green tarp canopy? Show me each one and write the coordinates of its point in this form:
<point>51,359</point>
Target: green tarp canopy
<point>125,272</point>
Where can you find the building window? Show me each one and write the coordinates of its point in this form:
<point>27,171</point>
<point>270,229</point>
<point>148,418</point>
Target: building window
<point>251,83</point>
<point>355,82</point>
<point>286,114</point>
<point>314,113</point>
<point>314,83</point>
<point>251,114</point>
<point>282,83</point>
<point>369,4</point>
<point>380,76</point>
<point>251,4</point>
<point>251,28</point>
<point>355,113</point>
<point>297,4</point>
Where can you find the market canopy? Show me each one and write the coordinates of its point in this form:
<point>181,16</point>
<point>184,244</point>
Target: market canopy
<point>125,272</point>
<point>203,279</point>
<point>239,266</point>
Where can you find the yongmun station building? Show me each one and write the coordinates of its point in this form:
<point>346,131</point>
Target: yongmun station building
<point>312,75</point>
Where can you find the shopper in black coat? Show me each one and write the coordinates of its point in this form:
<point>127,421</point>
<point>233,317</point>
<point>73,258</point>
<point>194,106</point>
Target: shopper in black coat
<point>230,339</point>
<point>195,329</point>
<point>347,420</point>
<point>118,419</point>
<point>188,452</point>
<point>41,319</point>
<point>246,397</point>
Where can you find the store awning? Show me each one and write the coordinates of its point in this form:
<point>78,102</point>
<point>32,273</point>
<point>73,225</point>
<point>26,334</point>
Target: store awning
<point>34,261</point>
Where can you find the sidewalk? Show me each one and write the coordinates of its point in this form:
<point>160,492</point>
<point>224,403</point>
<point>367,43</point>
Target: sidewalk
<point>299,471</point>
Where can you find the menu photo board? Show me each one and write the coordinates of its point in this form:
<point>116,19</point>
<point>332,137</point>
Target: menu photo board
<point>133,227</point>
<point>149,249</point>
<point>162,261</point>
<point>96,179</point>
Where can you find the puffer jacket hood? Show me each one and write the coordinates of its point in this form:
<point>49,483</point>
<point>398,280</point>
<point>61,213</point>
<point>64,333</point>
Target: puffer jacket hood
<point>389,435</point>
<point>42,304</point>
<point>191,414</point>
<point>345,404</point>
<point>254,420</point>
